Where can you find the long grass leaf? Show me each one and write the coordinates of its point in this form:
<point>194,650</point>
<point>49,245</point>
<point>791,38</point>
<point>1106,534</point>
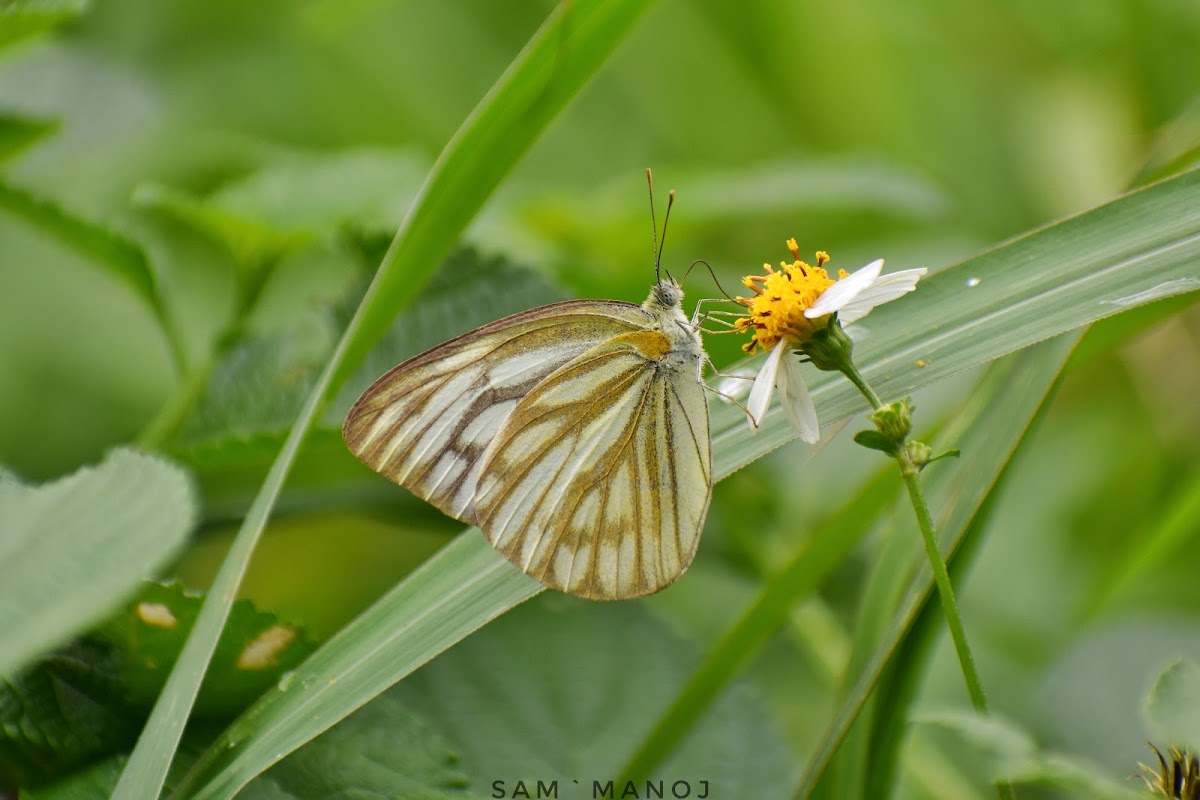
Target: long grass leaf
<point>556,62</point>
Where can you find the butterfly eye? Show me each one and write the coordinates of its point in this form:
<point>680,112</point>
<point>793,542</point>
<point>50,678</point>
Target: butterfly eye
<point>667,293</point>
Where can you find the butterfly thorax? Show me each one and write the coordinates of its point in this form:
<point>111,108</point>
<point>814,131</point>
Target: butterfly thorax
<point>665,306</point>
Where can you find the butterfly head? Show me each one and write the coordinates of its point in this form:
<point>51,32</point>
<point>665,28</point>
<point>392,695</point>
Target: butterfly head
<point>666,294</point>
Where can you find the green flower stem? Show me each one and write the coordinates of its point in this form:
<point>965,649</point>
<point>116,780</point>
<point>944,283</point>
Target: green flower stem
<point>946,592</point>
<point>911,475</point>
<point>860,383</point>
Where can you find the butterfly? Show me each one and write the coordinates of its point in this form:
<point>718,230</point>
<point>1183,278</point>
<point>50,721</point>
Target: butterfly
<point>575,436</point>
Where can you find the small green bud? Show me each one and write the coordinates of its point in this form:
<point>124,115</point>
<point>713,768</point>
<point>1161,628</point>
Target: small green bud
<point>894,420</point>
<point>918,454</point>
<point>829,348</point>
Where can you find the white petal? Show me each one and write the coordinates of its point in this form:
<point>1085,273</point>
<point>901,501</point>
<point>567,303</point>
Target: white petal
<point>884,290</point>
<point>764,384</point>
<point>845,290</point>
<point>797,402</point>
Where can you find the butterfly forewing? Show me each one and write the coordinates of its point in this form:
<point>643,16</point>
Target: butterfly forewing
<point>599,480</point>
<point>426,424</point>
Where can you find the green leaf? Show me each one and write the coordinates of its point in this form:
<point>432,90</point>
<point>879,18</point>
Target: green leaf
<point>88,701</point>
<point>259,386</point>
<point>875,440</point>
<point>1173,706</point>
<point>364,659</point>
<point>543,77</point>
<point>255,652</point>
<point>94,783</point>
<point>102,247</point>
<point>1011,754</point>
<point>67,710</point>
<point>121,257</point>
<point>254,244</point>
<point>526,718</point>
<point>953,452</point>
<point>75,548</point>
<point>573,43</point>
<point>367,190</point>
<point>20,19</point>
<point>467,291</point>
<point>284,207</point>
<point>18,133</point>
<point>228,469</point>
<point>381,751</point>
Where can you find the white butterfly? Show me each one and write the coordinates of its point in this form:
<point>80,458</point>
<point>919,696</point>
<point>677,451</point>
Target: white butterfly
<point>574,435</point>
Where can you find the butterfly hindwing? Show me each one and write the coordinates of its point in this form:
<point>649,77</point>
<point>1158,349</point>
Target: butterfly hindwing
<point>426,424</point>
<point>599,480</point>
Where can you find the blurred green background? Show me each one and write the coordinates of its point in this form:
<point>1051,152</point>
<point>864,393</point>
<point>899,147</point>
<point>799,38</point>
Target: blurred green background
<point>920,132</point>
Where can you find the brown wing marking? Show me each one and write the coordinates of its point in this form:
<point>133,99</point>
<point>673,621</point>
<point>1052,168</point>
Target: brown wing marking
<point>427,423</point>
<point>599,480</point>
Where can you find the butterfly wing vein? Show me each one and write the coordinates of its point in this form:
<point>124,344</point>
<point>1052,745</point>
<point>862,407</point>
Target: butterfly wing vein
<point>426,423</point>
<point>599,481</point>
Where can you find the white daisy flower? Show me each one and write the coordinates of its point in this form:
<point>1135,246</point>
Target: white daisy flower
<point>793,304</point>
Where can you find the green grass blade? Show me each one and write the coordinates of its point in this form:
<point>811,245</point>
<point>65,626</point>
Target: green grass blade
<point>398,634</point>
<point>556,62</point>
<point>890,576</point>
<point>988,434</point>
<point>1175,524</point>
<point>765,614</point>
<point>573,43</point>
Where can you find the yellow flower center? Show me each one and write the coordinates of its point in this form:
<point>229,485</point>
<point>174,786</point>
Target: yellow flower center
<point>776,312</point>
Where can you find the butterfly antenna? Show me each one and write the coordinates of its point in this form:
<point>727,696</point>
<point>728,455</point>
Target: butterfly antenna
<point>710,272</point>
<point>653,225</point>
<point>662,242</point>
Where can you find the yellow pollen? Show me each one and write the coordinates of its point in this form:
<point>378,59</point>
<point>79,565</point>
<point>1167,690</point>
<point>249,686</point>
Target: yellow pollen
<point>776,312</point>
